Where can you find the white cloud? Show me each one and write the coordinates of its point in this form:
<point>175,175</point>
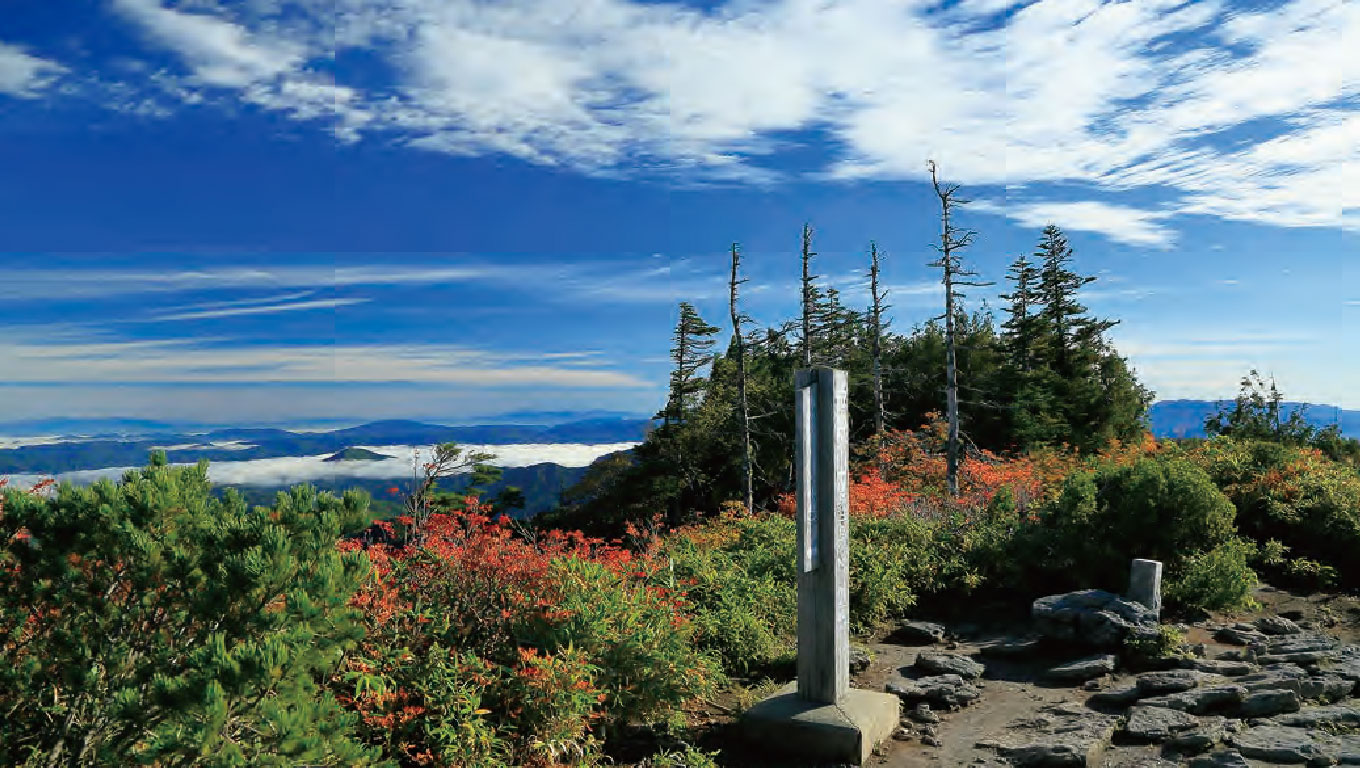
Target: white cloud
<point>220,52</point>
<point>200,362</point>
<point>1246,115</point>
<point>263,309</point>
<point>22,74</point>
<point>1134,226</point>
<point>291,470</point>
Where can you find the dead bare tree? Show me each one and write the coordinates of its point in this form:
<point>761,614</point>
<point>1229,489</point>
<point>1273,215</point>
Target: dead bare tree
<point>739,342</point>
<point>952,241</point>
<point>808,296</point>
<point>876,319</point>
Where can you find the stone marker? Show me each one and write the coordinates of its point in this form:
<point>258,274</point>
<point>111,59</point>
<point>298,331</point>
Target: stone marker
<point>1145,584</point>
<point>820,718</point>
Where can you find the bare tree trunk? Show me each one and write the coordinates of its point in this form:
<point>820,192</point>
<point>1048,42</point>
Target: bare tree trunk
<point>807,297</point>
<point>952,240</point>
<point>740,340</point>
<point>877,339</point>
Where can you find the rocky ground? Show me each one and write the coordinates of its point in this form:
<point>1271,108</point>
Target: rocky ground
<point>1278,687</point>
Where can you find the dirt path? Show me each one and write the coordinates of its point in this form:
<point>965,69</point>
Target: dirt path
<point>1013,689</point>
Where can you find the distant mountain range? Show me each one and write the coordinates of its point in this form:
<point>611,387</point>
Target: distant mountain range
<point>1185,418</point>
<point>540,483</point>
<point>242,443</point>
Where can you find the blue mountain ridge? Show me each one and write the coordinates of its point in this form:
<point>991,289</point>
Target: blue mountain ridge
<point>264,443</point>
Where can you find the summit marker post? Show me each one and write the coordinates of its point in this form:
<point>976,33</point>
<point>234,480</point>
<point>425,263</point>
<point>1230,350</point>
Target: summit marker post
<point>820,717</point>
<point>822,453</point>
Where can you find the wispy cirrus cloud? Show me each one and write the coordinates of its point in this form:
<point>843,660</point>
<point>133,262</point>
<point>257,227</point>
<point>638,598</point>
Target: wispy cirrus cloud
<point>183,361</point>
<point>260,309</point>
<point>581,280</point>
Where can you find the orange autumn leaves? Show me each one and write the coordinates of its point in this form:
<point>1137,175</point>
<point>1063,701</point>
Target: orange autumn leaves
<point>534,635</point>
<point>903,471</point>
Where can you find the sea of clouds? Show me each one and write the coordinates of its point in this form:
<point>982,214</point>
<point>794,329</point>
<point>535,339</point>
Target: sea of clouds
<point>289,470</point>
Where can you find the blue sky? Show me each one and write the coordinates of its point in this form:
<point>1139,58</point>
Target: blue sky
<point>284,210</point>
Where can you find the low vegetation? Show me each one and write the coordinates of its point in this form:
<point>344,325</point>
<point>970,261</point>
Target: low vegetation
<point>154,621</point>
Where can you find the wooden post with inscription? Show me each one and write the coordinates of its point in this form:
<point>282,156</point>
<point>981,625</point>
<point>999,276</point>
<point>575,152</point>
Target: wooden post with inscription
<point>822,455</point>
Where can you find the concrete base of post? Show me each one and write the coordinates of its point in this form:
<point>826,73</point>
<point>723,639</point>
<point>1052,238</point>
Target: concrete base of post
<point>822,733</point>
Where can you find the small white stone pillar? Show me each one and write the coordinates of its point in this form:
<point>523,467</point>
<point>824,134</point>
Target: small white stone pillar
<point>822,458</point>
<point>1145,584</point>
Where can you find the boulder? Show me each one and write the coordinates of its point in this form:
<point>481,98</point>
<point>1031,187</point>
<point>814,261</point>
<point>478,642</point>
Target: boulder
<point>950,664</point>
<point>922,713</point>
<point>921,632</point>
<point>1175,681</point>
<point>948,691</point>
<point>1093,617</point>
<point>1277,625</point>
<point>1267,703</point>
<point>1059,735</point>
<point>1156,724</point>
<point>1084,669</point>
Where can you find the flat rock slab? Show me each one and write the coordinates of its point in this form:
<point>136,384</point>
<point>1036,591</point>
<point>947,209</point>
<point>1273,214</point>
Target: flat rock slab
<point>1010,648</point>
<point>1202,700</point>
<point>1081,670</point>
<point>949,664</point>
<point>1238,636</point>
<point>1224,667</point>
<point>1294,746</point>
<point>1157,724</point>
<point>1325,687</point>
<point>1174,681</point>
<point>1277,625</point>
<point>1343,715</point>
<point>1204,736</point>
<point>1058,735</point>
<point>1120,697</point>
<point>1267,703</point>
<point>1230,758</point>
<point>921,632</point>
<point>846,732</point>
<point>947,691</point>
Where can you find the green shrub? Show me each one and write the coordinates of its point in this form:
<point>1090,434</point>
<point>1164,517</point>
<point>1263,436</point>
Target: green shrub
<point>689,757</point>
<point>1294,495</point>
<point>1142,652</point>
<point>742,591</point>
<point>1160,507</point>
<point>151,621</point>
<point>1220,579</point>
